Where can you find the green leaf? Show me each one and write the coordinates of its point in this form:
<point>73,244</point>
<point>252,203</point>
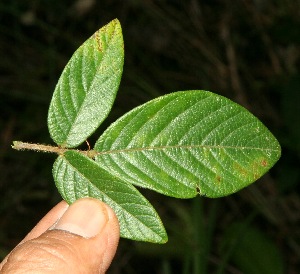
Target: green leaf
<point>78,176</point>
<point>186,143</point>
<point>87,87</point>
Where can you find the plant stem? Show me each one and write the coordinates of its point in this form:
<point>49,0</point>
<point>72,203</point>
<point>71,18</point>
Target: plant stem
<point>18,145</point>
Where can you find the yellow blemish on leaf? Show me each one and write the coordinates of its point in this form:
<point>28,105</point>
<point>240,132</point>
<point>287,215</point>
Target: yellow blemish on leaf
<point>97,37</point>
<point>243,172</point>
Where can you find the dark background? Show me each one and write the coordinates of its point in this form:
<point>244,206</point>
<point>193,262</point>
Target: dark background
<point>248,51</point>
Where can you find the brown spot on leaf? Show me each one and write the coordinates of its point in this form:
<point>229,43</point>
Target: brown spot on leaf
<point>264,162</point>
<point>218,179</point>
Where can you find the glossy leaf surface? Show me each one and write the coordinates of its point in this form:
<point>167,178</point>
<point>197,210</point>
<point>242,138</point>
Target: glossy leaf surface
<point>87,87</point>
<point>186,143</point>
<point>78,176</point>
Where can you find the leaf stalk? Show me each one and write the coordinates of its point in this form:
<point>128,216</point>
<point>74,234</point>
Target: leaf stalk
<point>19,145</point>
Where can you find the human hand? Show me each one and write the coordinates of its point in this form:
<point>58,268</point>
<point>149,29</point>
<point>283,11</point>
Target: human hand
<point>80,238</point>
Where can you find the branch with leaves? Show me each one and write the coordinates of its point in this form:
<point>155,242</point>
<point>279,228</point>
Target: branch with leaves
<point>182,144</point>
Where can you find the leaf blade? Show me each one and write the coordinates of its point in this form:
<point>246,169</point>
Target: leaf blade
<point>188,142</point>
<point>77,176</point>
<point>87,87</point>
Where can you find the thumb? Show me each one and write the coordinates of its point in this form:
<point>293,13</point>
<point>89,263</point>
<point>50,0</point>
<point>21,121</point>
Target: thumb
<point>83,240</point>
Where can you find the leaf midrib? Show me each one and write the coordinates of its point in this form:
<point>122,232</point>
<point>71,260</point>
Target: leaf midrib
<point>140,149</point>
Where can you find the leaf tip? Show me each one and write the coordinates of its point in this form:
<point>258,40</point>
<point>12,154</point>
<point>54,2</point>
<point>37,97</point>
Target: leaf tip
<point>164,240</point>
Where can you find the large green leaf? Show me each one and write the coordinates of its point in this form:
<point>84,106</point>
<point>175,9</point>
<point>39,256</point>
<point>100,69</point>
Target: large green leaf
<point>78,176</point>
<point>87,87</point>
<point>186,143</point>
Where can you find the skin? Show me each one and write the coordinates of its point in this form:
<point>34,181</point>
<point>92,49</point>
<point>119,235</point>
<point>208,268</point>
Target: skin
<point>80,238</point>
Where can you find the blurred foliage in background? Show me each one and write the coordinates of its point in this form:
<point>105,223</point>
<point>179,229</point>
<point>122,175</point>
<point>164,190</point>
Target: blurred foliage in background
<point>248,51</point>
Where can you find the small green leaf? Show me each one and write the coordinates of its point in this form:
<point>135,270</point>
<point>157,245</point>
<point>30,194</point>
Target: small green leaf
<point>186,143</point>
<point>87,87</point>
<point>78,176</point>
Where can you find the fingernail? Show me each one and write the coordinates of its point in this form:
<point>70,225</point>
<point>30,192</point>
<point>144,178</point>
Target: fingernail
<point>85,217</point>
